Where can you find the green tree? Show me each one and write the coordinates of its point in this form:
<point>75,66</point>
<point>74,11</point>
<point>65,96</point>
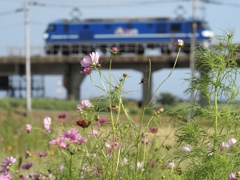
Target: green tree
<point>167,98</point>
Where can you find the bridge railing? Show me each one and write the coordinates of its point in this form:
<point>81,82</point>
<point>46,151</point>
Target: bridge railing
<point>40,51</point>
<point>20,51</point>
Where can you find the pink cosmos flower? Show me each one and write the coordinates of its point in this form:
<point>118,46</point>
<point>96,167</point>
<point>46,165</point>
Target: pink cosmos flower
<point>70,136</point>
<point>113,108</point>
<point>125,161</point>
<point>97,173</point>
<point>113,146</point>
<point>62,116</point>
<point>187,148</point>
<point>73,137</point>
<point>116,145</point>
<point>85,103</point>
<point>80,139</point>
<point>238,173</point>
<point>61,167</point>
<point>38,176</point>
<point>93,133</point>
<point>224,145</point>
<point>114,50</point>
<point>231,141</point>
<point>28,154</point>
<point>232,176</point>
<point>59,143</point>
<point>40,154</point>
<point>21,176</point>
<point>6,163</point>
<point>47,123</point>
<point>151,163</point>
<point>6,176</point>
<point>227,145</point>
<point>107,145</point>
<point>170,165</point>
<point>153,130</point>
<point>140,165</point>
<point>91,60</point>
<point>179,43</point>
<point>27,166</point>
<point>159,110</point>
<point>125,75</point>
<point>101,121</point>
<point>86,70</point>
<point>144,139</point>
<point>86,62</point>
<point>28,128</point>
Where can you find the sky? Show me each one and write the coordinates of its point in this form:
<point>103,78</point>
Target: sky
<point>221,16</point>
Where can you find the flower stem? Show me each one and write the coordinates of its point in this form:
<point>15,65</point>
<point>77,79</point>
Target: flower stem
<point>111,115</point>
<point>175,63</point>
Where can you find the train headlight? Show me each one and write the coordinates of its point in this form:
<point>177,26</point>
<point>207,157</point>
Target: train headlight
<point>207,33</point>
<point>45,35</point>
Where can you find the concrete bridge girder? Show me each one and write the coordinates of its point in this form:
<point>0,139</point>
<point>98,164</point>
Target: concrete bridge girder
<point>69,67</point>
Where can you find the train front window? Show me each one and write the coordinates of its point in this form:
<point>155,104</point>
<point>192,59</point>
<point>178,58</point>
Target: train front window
<point>203,25</point>
<point>200,25</point>
<point>175,27</point>
<point>51,27</point>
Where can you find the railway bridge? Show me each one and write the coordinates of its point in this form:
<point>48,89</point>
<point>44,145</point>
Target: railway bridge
<point>69,67</point>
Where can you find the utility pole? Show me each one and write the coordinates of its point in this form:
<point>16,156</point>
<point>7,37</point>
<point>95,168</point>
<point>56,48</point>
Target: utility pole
<point>193,40</point>
<point>28,62</point>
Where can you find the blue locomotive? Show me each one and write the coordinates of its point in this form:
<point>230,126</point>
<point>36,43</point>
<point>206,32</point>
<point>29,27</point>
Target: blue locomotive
<point>129,35</point>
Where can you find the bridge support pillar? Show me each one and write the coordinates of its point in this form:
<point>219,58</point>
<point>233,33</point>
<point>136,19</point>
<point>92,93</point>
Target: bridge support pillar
<point>72,82</point>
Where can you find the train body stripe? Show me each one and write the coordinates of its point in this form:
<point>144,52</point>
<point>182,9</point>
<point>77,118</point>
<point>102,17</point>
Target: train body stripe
<point>163,35</point>
<point>62,36</point>
<point>122,36</point>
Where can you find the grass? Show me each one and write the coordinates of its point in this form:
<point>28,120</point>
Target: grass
<point>43,104</point>
<point>13,119</point>
<point>14,140</point>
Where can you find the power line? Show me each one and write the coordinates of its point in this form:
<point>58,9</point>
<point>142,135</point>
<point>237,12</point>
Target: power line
<point>34,23</point>
<point>128,4</point>
<point>231,4</point>
<point>11,12</point>
<point>40,4</point>
<point>214,2</point>
<point>11,25</point>
<point>139,3</point>
<point>11,1</point>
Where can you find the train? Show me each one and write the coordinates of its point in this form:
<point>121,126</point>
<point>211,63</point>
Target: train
<point>133,35</point>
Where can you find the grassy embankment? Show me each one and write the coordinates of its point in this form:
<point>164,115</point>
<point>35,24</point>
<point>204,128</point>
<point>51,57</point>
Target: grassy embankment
<point>13,137</point>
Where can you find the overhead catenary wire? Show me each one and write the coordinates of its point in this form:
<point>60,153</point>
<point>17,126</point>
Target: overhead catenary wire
<point>59,5</point>
<point>39,3</point>
<point>11,12</point>
<point>102,5</point>
<point>131,3</point>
